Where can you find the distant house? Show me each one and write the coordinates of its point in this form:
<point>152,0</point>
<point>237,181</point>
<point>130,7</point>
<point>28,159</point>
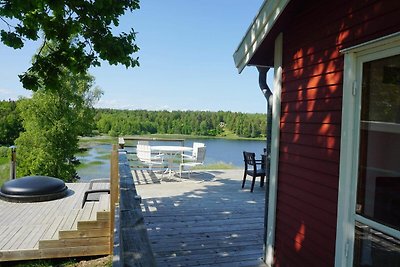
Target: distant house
<point>334,197</point>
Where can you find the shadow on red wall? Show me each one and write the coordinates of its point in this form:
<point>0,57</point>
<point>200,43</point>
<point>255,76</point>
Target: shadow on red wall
<point>311,115</point>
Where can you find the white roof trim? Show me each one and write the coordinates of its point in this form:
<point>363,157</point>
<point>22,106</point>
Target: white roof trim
<point>261,26</point>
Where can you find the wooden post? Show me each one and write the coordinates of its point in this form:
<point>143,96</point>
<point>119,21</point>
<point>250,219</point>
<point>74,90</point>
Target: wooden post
<point>13,163</point>
<point>114,191</point>
<point>121,142</point>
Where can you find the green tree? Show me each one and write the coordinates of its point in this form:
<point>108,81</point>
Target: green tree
<point>83,30</point>
<point>53,120</point>
<point>10,123</point>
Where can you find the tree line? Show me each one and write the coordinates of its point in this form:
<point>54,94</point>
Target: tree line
<point>45,128</point>
<point>206,123</point>
<point>139,122</point>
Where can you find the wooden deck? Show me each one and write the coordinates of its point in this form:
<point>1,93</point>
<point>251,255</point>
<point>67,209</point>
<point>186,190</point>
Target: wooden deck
<point>207,220</point>
<point>54,229</point>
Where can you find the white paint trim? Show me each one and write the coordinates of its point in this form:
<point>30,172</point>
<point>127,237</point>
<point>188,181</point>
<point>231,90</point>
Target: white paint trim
<point>385,40</point>
<point>344,230</point>
<point>350,136</point>
<point>258,30</point>
<point>274,164</point>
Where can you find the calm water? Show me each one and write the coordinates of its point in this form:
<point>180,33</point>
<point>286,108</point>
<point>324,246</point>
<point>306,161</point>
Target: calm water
<point>217,151</point>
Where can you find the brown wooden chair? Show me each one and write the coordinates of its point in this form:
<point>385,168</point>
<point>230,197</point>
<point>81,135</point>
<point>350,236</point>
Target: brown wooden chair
<point>250,168</point>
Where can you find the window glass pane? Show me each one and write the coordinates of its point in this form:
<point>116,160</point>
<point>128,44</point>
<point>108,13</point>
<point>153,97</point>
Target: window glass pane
<point>378,193</point>
<point>373,248</point>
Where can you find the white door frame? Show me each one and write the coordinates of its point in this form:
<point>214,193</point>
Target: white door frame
<point>354,57</point>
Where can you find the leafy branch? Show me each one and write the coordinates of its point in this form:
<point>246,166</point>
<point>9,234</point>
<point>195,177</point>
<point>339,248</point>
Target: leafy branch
<point>81,31</point>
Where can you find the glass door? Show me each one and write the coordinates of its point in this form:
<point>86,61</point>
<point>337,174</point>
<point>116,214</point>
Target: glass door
<point>377,210</point>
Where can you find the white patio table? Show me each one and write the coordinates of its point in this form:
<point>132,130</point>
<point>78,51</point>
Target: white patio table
<point>170,152</point>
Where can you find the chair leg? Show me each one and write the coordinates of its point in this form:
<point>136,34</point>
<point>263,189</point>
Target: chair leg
<point>252,184</point>
<point>262,181</point>
<point>244,179</point>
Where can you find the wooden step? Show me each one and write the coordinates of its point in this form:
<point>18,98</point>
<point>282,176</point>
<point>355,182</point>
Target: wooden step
<point>103,216</point>
<point>87,225</point>
<point>65,234</point>
<point>50,253</point>
<point>104,202</point>
<point>76,242</point>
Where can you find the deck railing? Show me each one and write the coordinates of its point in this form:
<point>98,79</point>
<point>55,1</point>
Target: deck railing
<point>131,245</point>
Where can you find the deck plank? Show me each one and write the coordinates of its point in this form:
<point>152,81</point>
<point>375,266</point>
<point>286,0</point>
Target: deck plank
<point>52,228</point>
<point>204,222</point>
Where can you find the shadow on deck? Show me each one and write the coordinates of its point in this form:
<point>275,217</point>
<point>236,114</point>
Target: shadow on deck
<point>206,220</point>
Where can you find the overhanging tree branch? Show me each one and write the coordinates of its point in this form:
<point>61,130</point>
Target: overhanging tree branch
<point>82,30</point>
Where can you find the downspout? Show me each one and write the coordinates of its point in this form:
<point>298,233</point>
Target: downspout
<point>262,82</point>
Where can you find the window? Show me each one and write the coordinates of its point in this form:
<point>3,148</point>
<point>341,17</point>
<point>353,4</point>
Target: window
<point>368,225</point>
<point>378,185</point>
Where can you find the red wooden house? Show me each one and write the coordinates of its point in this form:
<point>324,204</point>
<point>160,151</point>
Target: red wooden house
<point>334,195</point>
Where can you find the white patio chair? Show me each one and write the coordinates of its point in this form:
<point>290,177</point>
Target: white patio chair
<point>193,156</point>
<point>143,152</point>
<point>197,158</point>
<point>143,142</point>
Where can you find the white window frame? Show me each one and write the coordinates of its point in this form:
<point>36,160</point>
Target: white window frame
<point>274,163</point>
<point>354,57</point>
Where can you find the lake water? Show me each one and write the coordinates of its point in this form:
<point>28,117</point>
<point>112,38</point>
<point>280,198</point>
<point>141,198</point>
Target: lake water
<point>217,151</point>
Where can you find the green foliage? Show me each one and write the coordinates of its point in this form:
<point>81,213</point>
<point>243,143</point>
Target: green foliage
<point>53,120</point>
<point>4,172</point>
<point>205,123</point>
<point>5,155</point>
<point>82,29</point>
<point>10,123</point>
<point>5,152</point>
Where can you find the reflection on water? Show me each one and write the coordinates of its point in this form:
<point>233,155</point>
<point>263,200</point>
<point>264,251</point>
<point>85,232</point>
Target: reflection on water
<point>96,162</point>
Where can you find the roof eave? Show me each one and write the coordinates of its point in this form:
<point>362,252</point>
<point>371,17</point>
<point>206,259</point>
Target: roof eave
<point>258,30</point>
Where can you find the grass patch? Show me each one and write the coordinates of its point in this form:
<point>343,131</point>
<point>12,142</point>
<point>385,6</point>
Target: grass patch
<point>88,141</point>
<point>92,163</point>
<point>105,156</point>
<point>82,153</point>
<point>216,166</point>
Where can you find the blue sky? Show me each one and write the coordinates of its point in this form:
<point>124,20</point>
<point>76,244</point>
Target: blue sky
<point>186,50</point>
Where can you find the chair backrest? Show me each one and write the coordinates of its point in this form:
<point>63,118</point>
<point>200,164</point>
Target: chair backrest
<point>196,145</point>
<point>201,154</point>
<point>249,158</point>
<point>141,142</point>
<point>143,152</point>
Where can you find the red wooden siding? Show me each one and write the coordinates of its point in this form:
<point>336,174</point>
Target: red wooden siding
<point>311,121</point>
